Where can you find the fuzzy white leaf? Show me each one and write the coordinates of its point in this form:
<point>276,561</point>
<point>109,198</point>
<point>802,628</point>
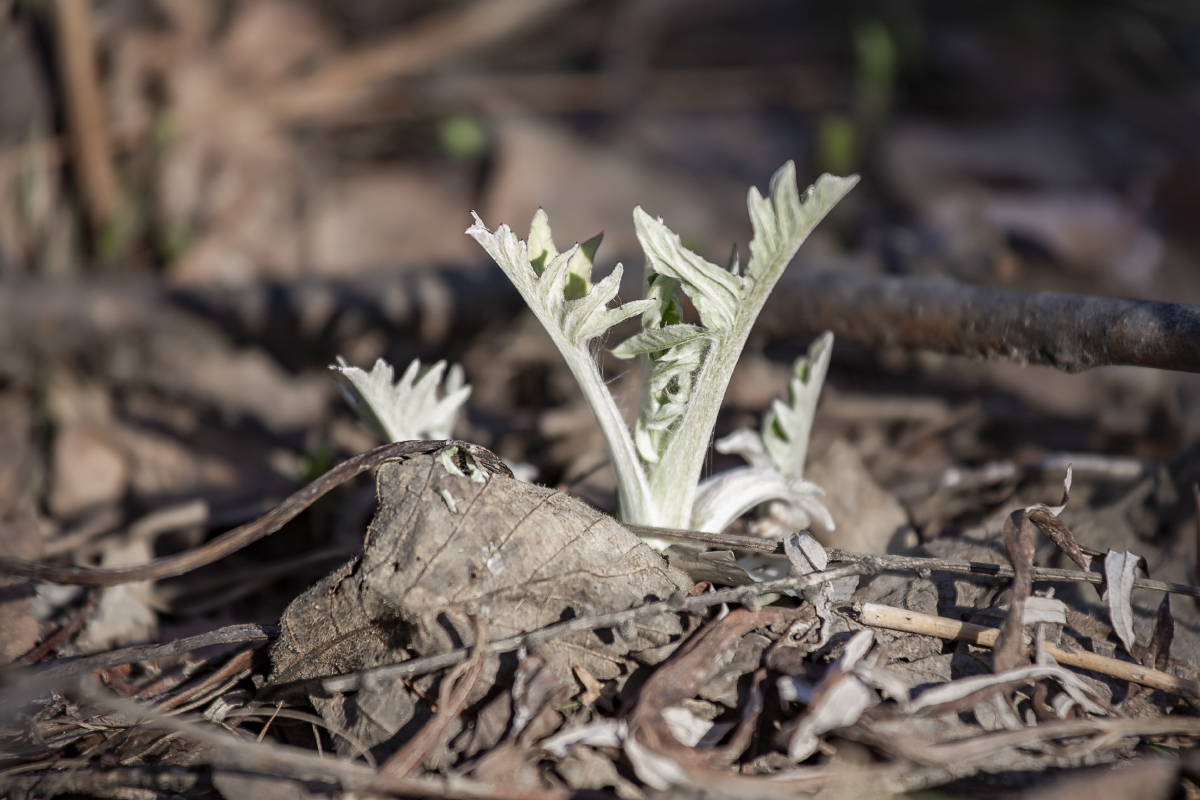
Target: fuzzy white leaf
<point>715,292</point>
<point>782,223</point>
<point>747,444</point>
<point>724,497</point>
<point>656,339</point>
<point>540,242</point>
<point>787,427</point>
<point>411,407</point>
<point>1119,572</point>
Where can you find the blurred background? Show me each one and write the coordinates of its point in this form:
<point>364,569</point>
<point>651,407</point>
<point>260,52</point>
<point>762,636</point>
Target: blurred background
<point>203,202</point>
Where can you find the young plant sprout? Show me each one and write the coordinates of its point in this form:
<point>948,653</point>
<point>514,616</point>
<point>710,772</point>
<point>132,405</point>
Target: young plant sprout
<point>411,407</point>
<point>685,368</point>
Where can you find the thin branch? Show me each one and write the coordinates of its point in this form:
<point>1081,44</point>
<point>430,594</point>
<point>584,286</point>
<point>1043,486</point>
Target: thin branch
<point>889,563</point>
<point>43,681</point>
<point>1068,331</point>
<point>234,540</point>
<point>899,619</point>
<point>744,595</point>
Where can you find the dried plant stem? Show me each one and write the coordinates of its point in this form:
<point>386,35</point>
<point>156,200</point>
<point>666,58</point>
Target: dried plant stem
<point>76,59</point>
<point>898,619</point>
<point>236,539</point>
<point>52,678</point>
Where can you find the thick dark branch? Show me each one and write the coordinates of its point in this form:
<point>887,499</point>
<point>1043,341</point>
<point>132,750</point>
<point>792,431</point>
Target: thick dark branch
<point>1068,331</point>
<point>1071,332</point>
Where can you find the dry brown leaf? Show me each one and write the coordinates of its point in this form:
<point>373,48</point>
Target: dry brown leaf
<point>517,556</point>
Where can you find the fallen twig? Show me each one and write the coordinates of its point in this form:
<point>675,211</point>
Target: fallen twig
<point>899,619</point>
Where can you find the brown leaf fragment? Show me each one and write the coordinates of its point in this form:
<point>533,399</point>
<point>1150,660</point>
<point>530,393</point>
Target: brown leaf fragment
<point>1018,542</point>
<point>592,688</point>
<point>1120,568</point>
<point>658,757</point>
<point>1060,534</point>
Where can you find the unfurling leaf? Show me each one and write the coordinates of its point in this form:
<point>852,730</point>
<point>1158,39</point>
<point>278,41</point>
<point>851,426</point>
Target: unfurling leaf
<point>411,407</point>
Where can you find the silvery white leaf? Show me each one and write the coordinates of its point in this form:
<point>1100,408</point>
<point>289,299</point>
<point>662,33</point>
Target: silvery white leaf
<point>1119,571</point>
<point>410,408</point>
<point>747,444</point>
<point>782,222</point>
<point>787,426</point>
<point>726,496</point>
<point>654,339</point>
<point>714,291</point>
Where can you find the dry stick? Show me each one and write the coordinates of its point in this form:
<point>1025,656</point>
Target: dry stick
<point>76,60</point>
<point>902,563</point>
<point>899,619</point>
<point>236,539</point>
<point>1067,331</point>
<point>77,668</point>
<point>234,666</point>
<point>744,595</point>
